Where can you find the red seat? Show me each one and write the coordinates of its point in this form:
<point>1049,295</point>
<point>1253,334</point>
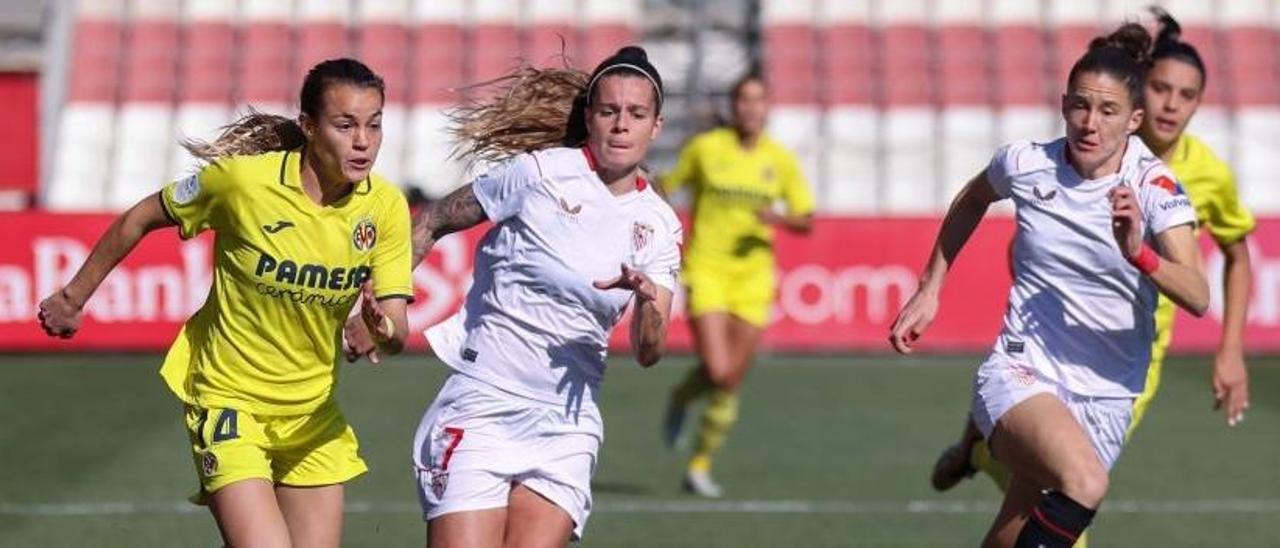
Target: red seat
<point>962,57</point>
<point>847,68</point>
<point>1020,71</point>
<point>438,62</point>
<point>905,75</point>
<point>791,63</point>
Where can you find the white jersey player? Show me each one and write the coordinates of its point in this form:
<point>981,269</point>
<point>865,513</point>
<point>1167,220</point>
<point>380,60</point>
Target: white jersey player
<point>1080,318</point>
<point>505,452</point>
<point>530,340</point>
<point>1101,226</point>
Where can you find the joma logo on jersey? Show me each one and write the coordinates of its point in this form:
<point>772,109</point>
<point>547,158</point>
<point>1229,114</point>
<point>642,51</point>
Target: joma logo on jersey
<point>311,275</point>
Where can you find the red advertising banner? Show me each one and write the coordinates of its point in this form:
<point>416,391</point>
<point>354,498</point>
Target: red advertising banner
<point>838,289</point>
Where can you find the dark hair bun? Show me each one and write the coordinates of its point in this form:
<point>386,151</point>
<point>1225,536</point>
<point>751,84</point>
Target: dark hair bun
<point>632,53</point>
<point>1131,38</point>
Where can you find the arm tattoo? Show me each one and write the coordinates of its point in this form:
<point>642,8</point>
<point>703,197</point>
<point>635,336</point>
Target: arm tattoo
<point>459,210</point>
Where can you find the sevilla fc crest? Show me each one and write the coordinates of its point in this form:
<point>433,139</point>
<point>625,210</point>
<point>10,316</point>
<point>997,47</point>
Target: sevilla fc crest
<point>641,235</point>
<point>439,482</point>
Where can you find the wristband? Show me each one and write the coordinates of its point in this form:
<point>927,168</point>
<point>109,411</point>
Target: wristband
<point>1147,261</point>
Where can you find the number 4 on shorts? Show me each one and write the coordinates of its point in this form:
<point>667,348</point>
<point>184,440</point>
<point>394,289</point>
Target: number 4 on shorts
<point>225,429</point>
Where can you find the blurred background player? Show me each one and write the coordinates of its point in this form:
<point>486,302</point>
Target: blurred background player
<point>505,453</point>
<point>1055,398</point>
<point>1174,88</point>
<point>303,228</point>
<point>735,175</point>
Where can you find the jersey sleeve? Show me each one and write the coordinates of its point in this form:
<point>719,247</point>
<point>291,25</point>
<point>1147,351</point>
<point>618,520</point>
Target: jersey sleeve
<point>795,189</point>
<point>1000,169</point>
<point>1163,202</point>
<point>198,202</point>
<point>663,263</point>
<point>501,191</point>
<point>392,253</point>
<point>1229,221</point>
<point>685,171</point>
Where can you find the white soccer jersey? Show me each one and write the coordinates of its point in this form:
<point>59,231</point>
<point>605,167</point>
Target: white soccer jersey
<point>1078,312</point>
<point>532,323</point>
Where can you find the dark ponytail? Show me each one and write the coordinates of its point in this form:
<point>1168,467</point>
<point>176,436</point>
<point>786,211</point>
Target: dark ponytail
<point>1124,55</point>
<point>1169,44</point>
<point>257,133</point>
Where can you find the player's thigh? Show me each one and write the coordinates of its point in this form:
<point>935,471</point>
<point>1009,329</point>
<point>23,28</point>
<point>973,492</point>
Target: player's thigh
<point>535,521</point>
<point>1020,497</point>
<point>711,336</point>
<point>313,514</point>
<point>249,516</point>
<point>744,337</point>
<point>1040,440</point>
<point>470,529</point>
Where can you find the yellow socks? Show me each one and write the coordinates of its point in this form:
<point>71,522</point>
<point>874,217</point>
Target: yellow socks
<point>718,418</point>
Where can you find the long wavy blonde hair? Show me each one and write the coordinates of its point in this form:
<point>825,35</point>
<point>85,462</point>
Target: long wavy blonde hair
<point>525,110</point>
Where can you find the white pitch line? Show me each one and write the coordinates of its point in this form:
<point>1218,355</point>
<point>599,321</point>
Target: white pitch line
<point>684,506</point>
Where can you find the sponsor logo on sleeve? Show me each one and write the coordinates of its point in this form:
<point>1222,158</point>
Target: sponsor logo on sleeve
<point>186,190</point>
<point>1169,185</point>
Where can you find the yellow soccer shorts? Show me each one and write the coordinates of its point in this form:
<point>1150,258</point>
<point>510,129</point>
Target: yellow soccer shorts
<point>1164,333</point>
<point>227,445</point>
<point>743,292</point>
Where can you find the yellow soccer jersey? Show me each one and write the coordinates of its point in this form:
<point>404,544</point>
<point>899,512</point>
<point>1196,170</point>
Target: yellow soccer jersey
<point>1211,186</point>
<point>729,185</point>
<point>286,274</point>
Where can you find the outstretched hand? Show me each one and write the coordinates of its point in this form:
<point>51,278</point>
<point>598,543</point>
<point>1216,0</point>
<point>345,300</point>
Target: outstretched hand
<point>361,332</point>
<point>634,280</point>
<point>913,320</point>
<point>59,316</point>
<point>1230,386</point>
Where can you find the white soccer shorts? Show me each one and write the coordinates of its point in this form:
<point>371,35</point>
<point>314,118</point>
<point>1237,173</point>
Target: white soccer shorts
<point>1001,384</point>
<point>476,442</point>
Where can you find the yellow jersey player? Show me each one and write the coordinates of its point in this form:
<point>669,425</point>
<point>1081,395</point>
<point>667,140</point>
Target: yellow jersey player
<point>302,230</point>
<point>735,176</point>
<point>1174,88</point>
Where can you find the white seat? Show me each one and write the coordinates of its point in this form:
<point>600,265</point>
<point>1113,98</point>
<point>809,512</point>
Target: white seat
<point>428,165</point>
<point>909,140</point>
<point>1257,132</point>
<point>82,158</point>
<point>852,161</point>
<point>968,139</point>
<point>143,138</point>
<point>200,121</point>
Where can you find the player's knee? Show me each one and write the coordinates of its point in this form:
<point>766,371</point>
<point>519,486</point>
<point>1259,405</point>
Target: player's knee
<point>1086,483</point>
<point>723,377</point>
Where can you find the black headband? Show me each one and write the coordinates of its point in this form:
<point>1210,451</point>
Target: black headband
<point>629,58</point>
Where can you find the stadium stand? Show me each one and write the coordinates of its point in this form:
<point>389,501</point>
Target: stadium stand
<point>890,105</point>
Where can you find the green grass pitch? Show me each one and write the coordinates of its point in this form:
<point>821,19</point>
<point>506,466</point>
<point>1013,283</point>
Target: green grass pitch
<point>830,451</point>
